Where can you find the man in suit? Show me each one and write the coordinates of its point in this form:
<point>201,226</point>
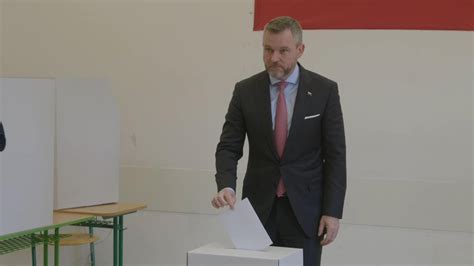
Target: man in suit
<point>2,138</point>
<point>296,173</point>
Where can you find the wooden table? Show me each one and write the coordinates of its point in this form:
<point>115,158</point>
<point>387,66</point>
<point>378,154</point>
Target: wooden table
<point>116,211</point>
<point>29,238</point>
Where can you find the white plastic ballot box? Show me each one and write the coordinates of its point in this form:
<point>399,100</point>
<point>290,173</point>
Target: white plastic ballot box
<point>218,254</point>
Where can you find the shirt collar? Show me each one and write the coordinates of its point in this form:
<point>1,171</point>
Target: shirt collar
<point>292,79</point>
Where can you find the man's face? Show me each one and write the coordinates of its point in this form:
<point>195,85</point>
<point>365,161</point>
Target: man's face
<point>281,53</point>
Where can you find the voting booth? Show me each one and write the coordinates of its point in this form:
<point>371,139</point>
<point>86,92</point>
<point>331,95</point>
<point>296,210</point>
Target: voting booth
<point>62,150</point>
<point>219,254</point>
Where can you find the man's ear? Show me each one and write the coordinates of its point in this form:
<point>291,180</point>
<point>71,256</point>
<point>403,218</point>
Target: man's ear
<point>300,49</point>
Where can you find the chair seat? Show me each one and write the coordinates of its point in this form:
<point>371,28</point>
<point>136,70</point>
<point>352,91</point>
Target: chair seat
<point>77,239</point>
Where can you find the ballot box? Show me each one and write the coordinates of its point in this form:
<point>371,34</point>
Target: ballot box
<point>218,254</point>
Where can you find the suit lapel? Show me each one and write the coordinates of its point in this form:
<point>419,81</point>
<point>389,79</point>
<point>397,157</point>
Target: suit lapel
<point>299,111</point>
<point>263,103</point>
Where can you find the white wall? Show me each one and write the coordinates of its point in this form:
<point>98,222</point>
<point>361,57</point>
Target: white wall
<point>406,95</point>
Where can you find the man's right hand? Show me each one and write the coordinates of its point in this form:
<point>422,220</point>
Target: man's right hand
<point>225,197</point>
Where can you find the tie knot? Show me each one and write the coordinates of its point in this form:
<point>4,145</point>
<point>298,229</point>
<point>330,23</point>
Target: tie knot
<point>282,85</point>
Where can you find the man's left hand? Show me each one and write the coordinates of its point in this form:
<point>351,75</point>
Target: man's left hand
<point>329,226</point>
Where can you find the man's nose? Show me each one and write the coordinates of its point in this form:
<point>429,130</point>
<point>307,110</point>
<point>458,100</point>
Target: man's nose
<point>275,57</point>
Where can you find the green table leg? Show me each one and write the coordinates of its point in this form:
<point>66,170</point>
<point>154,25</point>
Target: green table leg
<point>33,250</point>
<point>91,245</point>
<point>56,247</point>
<point>116,225</point>
<point>45,248</point>
<point>120,240</point>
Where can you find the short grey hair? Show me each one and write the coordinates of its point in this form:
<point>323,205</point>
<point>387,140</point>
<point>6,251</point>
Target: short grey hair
<point>280,24</point>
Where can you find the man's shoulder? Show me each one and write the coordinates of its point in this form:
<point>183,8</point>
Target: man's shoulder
<point>313,77</point>
<point>253,80</point>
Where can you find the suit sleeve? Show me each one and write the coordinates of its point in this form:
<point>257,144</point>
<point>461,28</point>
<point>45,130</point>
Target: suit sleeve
<point>334,155</point>
<point>230,147</point>
<point>2,138</point>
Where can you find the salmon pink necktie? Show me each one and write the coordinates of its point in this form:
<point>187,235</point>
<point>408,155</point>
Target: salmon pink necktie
<point>281,129</point>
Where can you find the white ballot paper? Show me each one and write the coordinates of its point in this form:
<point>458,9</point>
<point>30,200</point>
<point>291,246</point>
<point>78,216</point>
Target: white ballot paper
<point>244,227</point>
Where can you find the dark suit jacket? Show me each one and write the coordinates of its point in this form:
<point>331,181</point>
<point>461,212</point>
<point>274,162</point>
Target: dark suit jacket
<point>313,165</point>
<point>2,138</point>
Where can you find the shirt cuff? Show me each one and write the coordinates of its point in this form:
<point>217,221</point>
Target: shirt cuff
<point>229,188</point>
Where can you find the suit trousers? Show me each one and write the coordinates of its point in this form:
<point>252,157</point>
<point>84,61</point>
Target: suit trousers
<point>285,231</point>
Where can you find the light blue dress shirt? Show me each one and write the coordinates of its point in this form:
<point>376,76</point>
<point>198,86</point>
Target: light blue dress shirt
<point>290,94</point>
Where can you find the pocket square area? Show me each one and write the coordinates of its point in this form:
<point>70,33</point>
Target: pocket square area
<point>311,116</point>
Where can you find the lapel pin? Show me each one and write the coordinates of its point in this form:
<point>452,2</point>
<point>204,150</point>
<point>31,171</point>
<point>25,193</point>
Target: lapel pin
<point>309,93</point>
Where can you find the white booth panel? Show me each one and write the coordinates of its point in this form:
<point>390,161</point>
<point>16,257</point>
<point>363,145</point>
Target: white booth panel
<point>1,187</point>
<point>87,143</point>
<point>27,163</point>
